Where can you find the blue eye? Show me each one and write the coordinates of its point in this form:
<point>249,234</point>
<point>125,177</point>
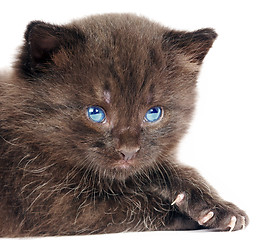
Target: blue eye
<point>153,114</point>
<point>96,114</point>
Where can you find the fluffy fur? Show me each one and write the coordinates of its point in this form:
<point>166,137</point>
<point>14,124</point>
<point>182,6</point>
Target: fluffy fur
<point>61,173</point>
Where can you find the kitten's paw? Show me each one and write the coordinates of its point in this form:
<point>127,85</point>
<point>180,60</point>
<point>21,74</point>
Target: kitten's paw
<point>224,219</point>
<point>217,215</point>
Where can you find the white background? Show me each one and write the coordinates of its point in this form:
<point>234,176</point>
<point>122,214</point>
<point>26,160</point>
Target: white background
<point>221,141</point>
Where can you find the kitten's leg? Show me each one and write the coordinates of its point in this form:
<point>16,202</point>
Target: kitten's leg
<point>197,199</point>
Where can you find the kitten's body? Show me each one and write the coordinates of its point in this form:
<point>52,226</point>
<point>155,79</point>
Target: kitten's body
<point>61,173</point>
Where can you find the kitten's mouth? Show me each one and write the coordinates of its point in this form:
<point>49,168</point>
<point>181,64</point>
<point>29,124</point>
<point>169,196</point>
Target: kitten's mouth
<point>124,164</point>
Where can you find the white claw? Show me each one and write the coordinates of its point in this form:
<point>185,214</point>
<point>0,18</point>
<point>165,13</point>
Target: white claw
<point>243,222</point>
<point>206,218</point>
<point>232,223</point>
<point>178,199</point>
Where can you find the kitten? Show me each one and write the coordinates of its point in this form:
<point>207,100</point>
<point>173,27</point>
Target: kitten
<point>90,121</point>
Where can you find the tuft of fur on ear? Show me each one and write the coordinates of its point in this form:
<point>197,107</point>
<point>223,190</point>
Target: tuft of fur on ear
<point>195,44</point>
<point>42,41</point>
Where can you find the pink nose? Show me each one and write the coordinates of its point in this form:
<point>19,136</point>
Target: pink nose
<point>128,153</point>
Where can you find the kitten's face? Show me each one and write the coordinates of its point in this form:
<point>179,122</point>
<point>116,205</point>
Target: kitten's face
<point>115,104</point>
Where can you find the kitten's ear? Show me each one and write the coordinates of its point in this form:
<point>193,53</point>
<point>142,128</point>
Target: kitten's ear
<point>195,45</point>
<point>42,41</point>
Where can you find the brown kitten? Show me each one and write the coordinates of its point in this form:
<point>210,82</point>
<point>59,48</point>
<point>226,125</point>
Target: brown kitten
<point>90,120</point>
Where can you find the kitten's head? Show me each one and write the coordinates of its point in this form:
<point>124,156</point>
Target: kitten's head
<point>111,94</point>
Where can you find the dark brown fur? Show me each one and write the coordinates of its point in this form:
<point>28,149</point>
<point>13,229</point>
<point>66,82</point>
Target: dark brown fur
<point>62,174</point>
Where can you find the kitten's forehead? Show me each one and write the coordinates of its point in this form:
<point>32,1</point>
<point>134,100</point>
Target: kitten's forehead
<point>129,92</point>
<point>133,80</point>
<point>126,64</point>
